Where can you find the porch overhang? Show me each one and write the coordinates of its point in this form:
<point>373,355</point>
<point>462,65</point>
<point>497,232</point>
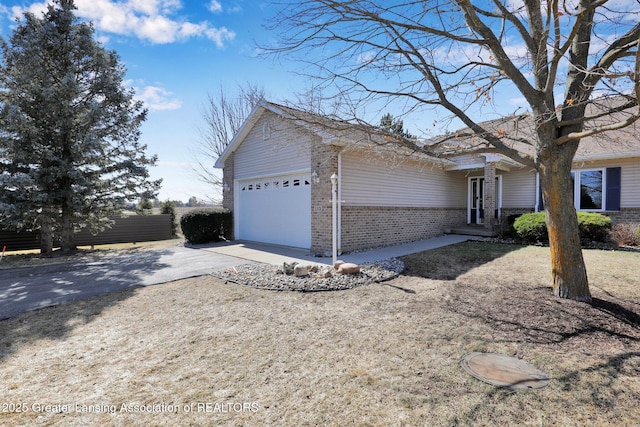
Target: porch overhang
<point>479,161</point>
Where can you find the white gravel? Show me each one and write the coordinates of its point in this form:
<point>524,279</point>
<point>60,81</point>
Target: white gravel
<point>270,277</point>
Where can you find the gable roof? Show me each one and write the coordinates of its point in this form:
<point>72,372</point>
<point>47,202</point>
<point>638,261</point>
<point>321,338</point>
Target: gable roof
<point>331,131</point>
<point>314,123</point>
<point>619,143</point>
<point>517,130</point>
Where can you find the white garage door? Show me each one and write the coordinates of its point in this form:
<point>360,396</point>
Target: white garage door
<point>275,210</point>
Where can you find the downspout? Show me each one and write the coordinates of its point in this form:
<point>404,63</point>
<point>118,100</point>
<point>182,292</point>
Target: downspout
<point>340,200</point>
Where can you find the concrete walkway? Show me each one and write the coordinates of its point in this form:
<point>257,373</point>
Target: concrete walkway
<point>273,254</point>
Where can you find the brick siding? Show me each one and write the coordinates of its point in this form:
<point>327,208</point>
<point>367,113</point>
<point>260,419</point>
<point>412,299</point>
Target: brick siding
<point>324,162</point>
<point>624,215</point>
<point>374,226</point>
<point>229,194</point>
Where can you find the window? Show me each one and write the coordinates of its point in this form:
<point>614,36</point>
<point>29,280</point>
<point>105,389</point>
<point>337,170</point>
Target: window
<point>594,189</point>
<point>591,190</point>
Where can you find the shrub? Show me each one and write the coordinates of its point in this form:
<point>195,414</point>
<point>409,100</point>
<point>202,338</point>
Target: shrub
<point>207,225</point>
<point>169,208</point>
<point>532,228</point>
<point>594,226</point>
<point>506,230</point>
<point>145,207</point>
<point>626,234</point>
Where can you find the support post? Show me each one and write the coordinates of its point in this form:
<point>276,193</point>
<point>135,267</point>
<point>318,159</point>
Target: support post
<point>334,218</point>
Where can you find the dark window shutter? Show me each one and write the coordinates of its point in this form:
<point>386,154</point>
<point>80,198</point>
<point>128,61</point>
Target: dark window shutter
<point>540,201</point>
<point>614,176</point>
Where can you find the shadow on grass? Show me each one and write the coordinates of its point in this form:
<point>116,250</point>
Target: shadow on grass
<point>534,315</point>
<point>449,262</point>
<point>48,302</point>
<point>54,323</point>
<point>600,385</point>
<point>616,310</point>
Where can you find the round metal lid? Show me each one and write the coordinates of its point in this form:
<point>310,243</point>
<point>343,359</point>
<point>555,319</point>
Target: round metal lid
<point>504,371</point>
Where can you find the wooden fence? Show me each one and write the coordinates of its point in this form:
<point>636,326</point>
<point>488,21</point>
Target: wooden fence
<point>129,229</point>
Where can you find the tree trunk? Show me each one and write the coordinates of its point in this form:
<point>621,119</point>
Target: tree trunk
<point>67,238</point>
<point>46,232</point>
<point>567,264</point>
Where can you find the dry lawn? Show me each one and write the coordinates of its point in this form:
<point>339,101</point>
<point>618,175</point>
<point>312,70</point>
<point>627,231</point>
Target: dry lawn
<point>208,353</point>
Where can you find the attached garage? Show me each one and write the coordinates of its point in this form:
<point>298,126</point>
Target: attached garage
<point>268,180</point>
<point>275,209</point>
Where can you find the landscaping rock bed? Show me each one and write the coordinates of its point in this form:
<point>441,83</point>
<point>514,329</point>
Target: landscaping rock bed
<point>270,277</point>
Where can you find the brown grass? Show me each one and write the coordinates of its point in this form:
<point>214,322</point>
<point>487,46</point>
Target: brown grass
<point>381,355</point>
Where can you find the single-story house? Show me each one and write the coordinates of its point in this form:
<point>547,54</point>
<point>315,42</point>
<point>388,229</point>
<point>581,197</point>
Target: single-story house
<point>277,169</point>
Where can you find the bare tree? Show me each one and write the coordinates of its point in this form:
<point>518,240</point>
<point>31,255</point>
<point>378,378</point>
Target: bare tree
<point>575,63</point>
<point>223,116</point>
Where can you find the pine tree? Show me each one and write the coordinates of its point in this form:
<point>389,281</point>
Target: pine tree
<point>70,155</point>
<point>394,126</point>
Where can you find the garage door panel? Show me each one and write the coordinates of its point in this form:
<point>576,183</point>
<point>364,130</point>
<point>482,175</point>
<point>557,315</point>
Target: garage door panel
<point>276,210</point>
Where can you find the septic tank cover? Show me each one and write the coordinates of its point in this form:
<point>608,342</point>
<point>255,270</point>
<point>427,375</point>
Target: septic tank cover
<point>504,371</point>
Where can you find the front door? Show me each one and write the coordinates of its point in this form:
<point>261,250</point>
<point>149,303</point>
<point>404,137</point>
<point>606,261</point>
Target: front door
<point>476,200</point>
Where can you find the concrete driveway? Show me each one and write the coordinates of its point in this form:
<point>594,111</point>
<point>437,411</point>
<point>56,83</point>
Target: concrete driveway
<point>32,288</point>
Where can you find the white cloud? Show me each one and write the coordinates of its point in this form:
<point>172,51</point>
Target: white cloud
<point>155,21</point>
<point>215,6</point>
<point>219,35</point>
<point>156,98</point>
<point>36,8</point>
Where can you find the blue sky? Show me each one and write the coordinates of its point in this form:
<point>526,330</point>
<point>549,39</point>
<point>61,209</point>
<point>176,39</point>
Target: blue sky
<point>176,52</point>
<point>179,51</point>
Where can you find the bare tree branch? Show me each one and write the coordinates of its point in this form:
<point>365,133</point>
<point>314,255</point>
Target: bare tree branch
<point>223,116</point>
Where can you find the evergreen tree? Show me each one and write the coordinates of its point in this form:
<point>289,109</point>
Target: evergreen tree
<point>394,126</point>
<point>70,155</point>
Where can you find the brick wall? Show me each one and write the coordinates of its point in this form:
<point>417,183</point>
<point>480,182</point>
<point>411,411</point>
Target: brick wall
<point>624,215</point>
<point>227,178</point>
<point>507,212</point>
<point>489,194</point>
<point>324,162</point>
<point>374,226</point>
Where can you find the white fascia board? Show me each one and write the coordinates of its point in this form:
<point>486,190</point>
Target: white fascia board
<point>609,156</point>
<point>465,166</point>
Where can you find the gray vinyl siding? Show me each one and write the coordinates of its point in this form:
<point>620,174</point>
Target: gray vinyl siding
<point>630,184</point>
<point>518,188</point>
<point>371,181</point>
<point>273,147</point>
